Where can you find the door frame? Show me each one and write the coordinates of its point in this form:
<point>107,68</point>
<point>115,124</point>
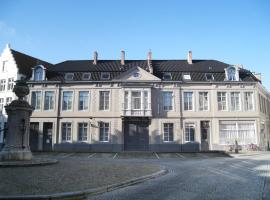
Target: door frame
<point>209,135</point>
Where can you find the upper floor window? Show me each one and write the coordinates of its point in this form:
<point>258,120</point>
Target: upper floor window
<point>188,100</point>
<point>2,84</point>
<point>168,132</point>
<point>167,76</point>
<point>86,76</point>
<point>83,100</point>
<point>49,100</point>
<point>203,101</point>
<point>66,132</point>
<point>10,83</point>
<point>38,76</point>
<point>186,77</point>
<point>69,76</point>
<point>67,100</point>
<point>136,100</point>
<point>222,100</point>
<point>189,132</point>
<point>82,131</point>
<point>36,99</point>
<point>167,100</point>
<point>209,77</point>
<point>105,75</point>
<point>248,101</point>
<point>232,73</point>
<point>104,131</point>
<point>145,100</point>
<point>104,100</point>
<point>235,101</point>
<point>1,104</point>
<point>4,66</point>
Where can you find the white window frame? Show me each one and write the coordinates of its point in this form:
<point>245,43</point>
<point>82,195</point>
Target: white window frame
<point>3,85</point>
<point>192,125</point>
<point>66,140</point>
<point>240,101</point>
<point>83,134</point>
<point>186,76</point>
<point>40,103</point>
<point>44,103</point>
<point>208,101</point>
<point>226,102</point>
<point>193,101</point>
<point>1,105</point>
<point>104,104</point>
<point>62,102</point>
<point>172,101</point>
<point>166,130</point>
<point>252,99</point>
<point>87,103</point>
<point>99,131</point>
<point>10,84</point>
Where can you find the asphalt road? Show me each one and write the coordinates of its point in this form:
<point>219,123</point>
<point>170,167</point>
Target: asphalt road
<point>244,177</point>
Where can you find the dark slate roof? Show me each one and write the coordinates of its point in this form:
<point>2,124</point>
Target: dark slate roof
<point>25,62</point>
<point>197,69</point>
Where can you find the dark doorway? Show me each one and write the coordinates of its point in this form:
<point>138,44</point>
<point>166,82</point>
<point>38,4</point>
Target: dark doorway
<point>136,136</point>
<point>205,135</point>
<point>33,140</point>
<point>47,136</point>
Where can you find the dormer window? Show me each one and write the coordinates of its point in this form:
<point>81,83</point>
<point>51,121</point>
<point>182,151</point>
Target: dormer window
<point>105,75</point>
<point>186,77</point>
<point>232,73</point>
<point>86,76</point>
<point>136,75</point>
<point>69,76</point>
<point>167,76</point>
<point>38,73</point>
<point>209,77</point>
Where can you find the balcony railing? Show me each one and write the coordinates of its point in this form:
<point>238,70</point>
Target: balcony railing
<point>145,112</point>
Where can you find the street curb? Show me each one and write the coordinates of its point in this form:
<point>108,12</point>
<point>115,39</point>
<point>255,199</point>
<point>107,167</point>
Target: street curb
<point>83,194</point>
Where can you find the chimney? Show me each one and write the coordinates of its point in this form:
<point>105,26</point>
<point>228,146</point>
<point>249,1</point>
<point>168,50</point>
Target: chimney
<point>122,57</point>
<point>149,62</point>
<point>95,57</point>
<point>189,58</point>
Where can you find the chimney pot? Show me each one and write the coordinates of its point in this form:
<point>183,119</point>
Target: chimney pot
<point>95,57</point>
<point>122,57</point>
<point>189,58</point>
<point>149,62</point>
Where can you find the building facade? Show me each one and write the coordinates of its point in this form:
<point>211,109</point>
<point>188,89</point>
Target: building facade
<point>147,105</point>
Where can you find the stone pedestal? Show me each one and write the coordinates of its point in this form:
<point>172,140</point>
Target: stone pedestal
<point>18,127</point>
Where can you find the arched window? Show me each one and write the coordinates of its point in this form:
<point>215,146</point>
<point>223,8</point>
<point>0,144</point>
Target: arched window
<point>231,74</point>
<point>38,74</point>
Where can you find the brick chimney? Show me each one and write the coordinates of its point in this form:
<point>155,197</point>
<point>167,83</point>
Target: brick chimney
<point>122,57</point>
<point>149,62</point>
<point>95,57</point>
<point>189,57</point>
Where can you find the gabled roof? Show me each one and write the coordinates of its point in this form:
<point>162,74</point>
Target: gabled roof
<point>25,62</point>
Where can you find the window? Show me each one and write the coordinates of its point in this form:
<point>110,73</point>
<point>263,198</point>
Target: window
<point>235,101</point>
<point>10,83</point>
<point>188,100</point>
<point>167,76</point>
<point>103,131</point>
<point>209,77</point>
<point>8,100</point>
<point>67,100</point>
<point>49,100</point>
<point>69,76</point>
<point>145,100</point>
<point>248,101</point>
<point>136,75</point>
<point>203,101</point>
<point>104,100</point>
<point>126,100</point>
<point>222,100</point>
<point>105,75</point>
<point>38,76</point>
<point>66,132</point>
<point>86,76</point>
<point>4,66</point>
<point>1,104</point>
<point>82,132</point>
<point>189,132</point>
<point>83,100</point>
<point>242,131</point>
<point>231,74</point>
<point>2,84</point>
<point>36,99</point>
<point>168,132</point>
<point>136,100</point>
<point>167,100</point>
<point>186,77</point>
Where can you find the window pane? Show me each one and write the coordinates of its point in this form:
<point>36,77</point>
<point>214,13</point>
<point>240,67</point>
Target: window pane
<point>167,100</point>
<point>103,131</point>
<point>82,132</point>
<point>235,101</point>
<point>36,99</point>
<point>136,99</point>
<point>66,131</point>
<point>104,100</point>
<point>188,100</point>
<point>189,132</point>
<point>83,100</point>
<point>67,100</point>
<point>222,100</point>
<point>203,101</point>
<point>49,100</point>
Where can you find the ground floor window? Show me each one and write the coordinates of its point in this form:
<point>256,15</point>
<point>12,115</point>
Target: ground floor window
<point>242,131</point>
<point>168,132</point>
<point>82,131</point>
<point>103,131</point>
<point>66,132</point>
<point>189,132</point>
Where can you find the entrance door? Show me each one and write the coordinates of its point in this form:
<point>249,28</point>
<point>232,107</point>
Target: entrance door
<point>33,140</point>
<point>205,135</point>
<point>136,136</point>
<point>47,136</point>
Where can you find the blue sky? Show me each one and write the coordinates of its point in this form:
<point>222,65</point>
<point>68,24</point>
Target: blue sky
<point>232,31</point>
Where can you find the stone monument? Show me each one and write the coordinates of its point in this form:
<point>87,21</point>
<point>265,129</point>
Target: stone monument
<point>18,126</point>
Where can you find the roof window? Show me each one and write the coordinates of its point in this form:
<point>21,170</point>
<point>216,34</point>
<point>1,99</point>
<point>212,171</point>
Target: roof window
<point>105,75</point>
<point>167,76</point>
<point>209,77</point>
<point>86,76</point>
<point>186,77</point>
<point>69,76</point>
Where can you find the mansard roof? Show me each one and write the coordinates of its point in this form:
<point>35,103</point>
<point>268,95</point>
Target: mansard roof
<point>25,62</point>
<point>197,69</point>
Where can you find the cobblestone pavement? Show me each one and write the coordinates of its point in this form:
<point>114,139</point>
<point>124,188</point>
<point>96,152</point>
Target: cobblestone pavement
<point>244,177</point>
